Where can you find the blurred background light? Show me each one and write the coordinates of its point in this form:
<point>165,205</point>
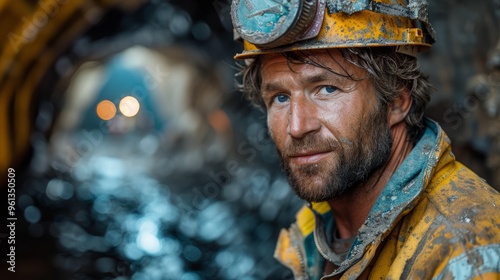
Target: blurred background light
<point>148,242</point>
<point>129,106</point>
<point>57,189</point>
<point>32,214</point>
<point>106,110</point>
<point>192,253</point>
<point>219,121</point>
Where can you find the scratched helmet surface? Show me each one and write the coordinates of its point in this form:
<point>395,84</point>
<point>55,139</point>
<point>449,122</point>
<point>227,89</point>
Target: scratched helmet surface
<point>272,26</point>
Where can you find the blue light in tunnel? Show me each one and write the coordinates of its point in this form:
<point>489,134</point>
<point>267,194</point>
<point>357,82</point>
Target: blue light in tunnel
<point>192,253</point>
<point>190,276</point>
<point>132,251</point>
<point>149,243</point>
<point>147,239</point>
<point>32,214</point>
<point>58,189</point>
<point>102,205</point>
<point>113,237</point>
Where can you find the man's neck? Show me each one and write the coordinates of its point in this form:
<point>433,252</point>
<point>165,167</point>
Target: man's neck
<point>350,211</point>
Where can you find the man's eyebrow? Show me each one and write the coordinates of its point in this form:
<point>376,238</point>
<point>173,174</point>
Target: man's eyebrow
<point>271,87</point>
<point>318,78</point>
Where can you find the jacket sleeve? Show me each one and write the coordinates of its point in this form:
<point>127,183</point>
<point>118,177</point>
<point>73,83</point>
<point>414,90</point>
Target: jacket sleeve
<point>478,263</point>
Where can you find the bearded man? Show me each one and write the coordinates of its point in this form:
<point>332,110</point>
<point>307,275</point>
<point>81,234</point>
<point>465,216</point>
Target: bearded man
<point>345,102</point>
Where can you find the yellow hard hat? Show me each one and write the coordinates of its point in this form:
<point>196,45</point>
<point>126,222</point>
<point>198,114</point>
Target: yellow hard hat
<point>272,26</point>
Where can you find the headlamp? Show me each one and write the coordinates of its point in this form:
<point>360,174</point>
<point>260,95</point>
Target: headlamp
<point>273,23</point>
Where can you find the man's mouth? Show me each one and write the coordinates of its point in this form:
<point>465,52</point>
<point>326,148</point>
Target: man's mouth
<point>312,157</point>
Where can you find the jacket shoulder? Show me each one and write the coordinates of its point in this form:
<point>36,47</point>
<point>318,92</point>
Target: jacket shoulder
<point>458,227</point>
<point>460,195</point>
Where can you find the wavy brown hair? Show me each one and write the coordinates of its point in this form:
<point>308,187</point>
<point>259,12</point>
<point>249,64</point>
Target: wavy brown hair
<point>390,72</point>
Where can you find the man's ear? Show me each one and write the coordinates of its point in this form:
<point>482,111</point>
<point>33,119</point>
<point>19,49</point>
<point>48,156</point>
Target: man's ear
<point>399,108</point>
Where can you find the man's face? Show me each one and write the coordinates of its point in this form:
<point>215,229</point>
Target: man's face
<point>330,131</point>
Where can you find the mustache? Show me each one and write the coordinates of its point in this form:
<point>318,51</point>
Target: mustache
<point>308,144</point>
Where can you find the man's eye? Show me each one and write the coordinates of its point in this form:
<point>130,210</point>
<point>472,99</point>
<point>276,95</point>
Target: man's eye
<point>281,98</point>
<point>328,89</point>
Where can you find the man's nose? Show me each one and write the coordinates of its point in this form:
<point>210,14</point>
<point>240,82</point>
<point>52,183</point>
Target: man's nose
<point>302,118</point>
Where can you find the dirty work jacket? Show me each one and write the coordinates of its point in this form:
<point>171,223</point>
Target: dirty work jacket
<point>435,219</point>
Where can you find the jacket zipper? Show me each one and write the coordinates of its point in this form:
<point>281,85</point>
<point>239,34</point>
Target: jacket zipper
<point>296,244</point>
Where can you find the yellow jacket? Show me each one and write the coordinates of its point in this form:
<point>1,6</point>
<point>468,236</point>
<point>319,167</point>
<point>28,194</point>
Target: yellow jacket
<point>435,219</point>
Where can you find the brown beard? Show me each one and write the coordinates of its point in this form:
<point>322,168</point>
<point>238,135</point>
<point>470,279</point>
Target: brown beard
<point>357,161</point>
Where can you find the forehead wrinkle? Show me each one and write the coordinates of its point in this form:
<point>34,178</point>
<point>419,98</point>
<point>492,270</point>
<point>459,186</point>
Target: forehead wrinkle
<point>274,83</point>
<point>304,73</point>
<point>323,75</point>
<point>305,77</point>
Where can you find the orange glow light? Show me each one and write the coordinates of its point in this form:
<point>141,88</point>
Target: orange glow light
<point>106,110</point>
<point>219,121</point>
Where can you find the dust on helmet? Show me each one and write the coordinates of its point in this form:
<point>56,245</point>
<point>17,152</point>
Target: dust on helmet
<point>272,26</point>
